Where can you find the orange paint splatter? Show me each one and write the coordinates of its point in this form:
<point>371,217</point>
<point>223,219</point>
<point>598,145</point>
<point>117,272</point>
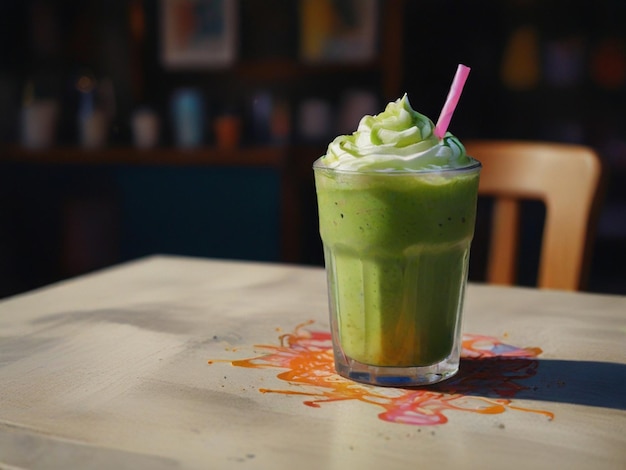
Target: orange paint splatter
<point>489,367</point>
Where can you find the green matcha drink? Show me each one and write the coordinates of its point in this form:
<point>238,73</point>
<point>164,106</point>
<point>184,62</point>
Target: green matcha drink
<point>397,209</point>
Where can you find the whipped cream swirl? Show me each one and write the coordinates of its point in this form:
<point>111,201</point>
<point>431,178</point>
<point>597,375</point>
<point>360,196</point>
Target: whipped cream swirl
<point>398,139</point>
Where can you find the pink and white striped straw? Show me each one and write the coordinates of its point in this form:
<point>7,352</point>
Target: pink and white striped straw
<point>451,101</point>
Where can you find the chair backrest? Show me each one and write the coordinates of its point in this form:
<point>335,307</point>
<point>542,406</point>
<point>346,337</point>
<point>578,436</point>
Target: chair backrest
<point>566,178</point>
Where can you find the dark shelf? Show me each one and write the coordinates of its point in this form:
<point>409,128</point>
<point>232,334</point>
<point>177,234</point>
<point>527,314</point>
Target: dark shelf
<point>266,156</point>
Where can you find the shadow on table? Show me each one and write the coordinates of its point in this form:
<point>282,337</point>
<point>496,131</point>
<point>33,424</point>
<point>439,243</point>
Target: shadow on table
<point>590,383</point>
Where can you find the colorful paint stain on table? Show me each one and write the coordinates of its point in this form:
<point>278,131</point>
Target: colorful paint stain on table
<point>491,374</point>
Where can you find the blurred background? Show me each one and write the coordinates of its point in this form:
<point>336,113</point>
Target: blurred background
<point>129,128</point>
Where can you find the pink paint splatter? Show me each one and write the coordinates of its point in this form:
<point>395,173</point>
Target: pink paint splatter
<point>488,366</point>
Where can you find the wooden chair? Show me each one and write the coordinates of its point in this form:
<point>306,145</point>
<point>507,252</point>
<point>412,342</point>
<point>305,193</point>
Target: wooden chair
<point>566,178</point>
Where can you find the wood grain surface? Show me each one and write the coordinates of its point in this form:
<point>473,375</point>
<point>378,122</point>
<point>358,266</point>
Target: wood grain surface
<point>171,362</point>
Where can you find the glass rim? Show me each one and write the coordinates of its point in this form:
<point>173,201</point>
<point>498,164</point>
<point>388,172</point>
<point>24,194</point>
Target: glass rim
<point>473,165</point>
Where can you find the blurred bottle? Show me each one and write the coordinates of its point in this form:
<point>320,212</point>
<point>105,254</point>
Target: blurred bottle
<point>96,108</point>
<point>188,117</point>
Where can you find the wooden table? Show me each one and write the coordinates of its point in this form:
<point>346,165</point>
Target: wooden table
<point>174,362</point>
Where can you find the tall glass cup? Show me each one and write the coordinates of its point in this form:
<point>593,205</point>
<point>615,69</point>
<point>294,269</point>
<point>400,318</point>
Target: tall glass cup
<point>396,248</point>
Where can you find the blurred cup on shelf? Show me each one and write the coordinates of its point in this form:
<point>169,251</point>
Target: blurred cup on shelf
<point>188,116</point>
<point>93,129</point>
<point>315,120</point>
<point>38,123</point>
<point>145,126</point>
<point>227,129</point>
<point>354,105</point>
